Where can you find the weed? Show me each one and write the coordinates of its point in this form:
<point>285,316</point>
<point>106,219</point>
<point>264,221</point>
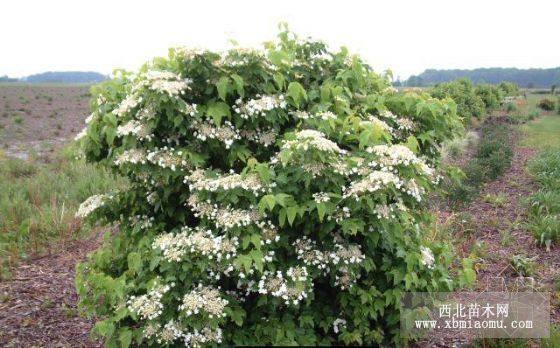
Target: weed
<point>497,200</point>
<point>506,239</point>
<point>523,265</point>
<point>18,119</point>
<point>37,203</point>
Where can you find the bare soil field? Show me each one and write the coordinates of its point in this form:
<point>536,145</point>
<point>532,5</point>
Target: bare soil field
<point>38,119</point>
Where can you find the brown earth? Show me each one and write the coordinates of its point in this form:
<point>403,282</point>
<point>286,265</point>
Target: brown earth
<point>38,304</point>
<point>36,120</point>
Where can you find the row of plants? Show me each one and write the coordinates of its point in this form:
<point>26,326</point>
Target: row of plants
<point>277,197</point>
<point>491,158</point>
<point>544,211</point>
<point>474,102</point>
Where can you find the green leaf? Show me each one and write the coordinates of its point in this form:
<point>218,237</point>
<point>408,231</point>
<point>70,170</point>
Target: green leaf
<point>125,337</point>
<point>217,111</point>
<point>223,87</point>
<point>270,201</point>
<point>257,257</point>
<point>321,209</point>
<point>291,213</point>
<point>412,143</point>
<point>238,82</point>
<point>279,80</point>
<point>297,93</point>
<point>134,261</point>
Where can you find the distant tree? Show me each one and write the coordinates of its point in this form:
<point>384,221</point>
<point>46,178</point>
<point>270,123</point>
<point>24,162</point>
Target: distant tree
<point>66,77</point>
<point>541,78</point>
<point>552,89</point>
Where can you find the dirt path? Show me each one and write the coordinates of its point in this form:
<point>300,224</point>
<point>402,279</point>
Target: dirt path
<point>38,306</point>
<point>501,233</point>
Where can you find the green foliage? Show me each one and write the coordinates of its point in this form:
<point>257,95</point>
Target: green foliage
<point>260,189</point>
<point>544,206</point>
<point>510,107</point>
<point>522,265</point>
<point>492,158</point>
<point>38,202</point>
<point>491,95</point>
<point>547,104</point>
<point>495,152</point>
<point>462,91</point>
<point>509,88</point>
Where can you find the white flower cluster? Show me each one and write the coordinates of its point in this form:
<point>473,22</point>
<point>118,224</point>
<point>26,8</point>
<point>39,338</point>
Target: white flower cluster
<point>170,332</point>
<point>338,324</point>
<point>384,211</point>
<point>260,106</point>
<point>263,137</point>
<point>325,115</point>
<point>127,104</point>
<point>225,218</point>
<point>132,156</point>
<point>164,82</point>
<point>338,259</point>
<point>405,124</point>
<point>90,204</point>
<point>275,284</point>
<point>135,128</point>
<point>321,197</point>
<point>199,241</point>
<point>227,133</point>
<point>428,258</point>
<point>149,306</point>
<point>167,157</point>
<point>250,182</point>
<point>375,181</point>
<point>173,331</point>
<point>197,338</point>
<point>147,112</point>
<point>311,138</point>
<point>204,299</point>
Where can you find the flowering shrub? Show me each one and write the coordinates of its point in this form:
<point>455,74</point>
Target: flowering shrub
<point>276,198</point>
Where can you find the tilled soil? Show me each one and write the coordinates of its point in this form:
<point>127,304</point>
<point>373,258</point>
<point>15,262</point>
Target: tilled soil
<point>38,304</point>
<point>38,119</point>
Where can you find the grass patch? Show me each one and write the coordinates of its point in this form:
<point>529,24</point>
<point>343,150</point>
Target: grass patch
<point>544,211</point>
<point>38,203</point>
<point>542,133</point>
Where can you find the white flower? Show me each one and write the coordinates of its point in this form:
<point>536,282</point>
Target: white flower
<point>199,241</point>
<point>135,128</point>
<point>375,181</point>
<point>127,104</point>
<point>204,299</point>
<point>148,306</point>
<point>91,204</point>
<point>337,324</point>
<point>311,138</point>
<point>81,134</point>
<point>428,258</point>
<point>260,106</point>
<point>249,182</point>
<point>321,197</point>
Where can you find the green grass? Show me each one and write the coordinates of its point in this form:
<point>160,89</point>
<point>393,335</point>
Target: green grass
<point>38,203</point>
<point>542,133</point>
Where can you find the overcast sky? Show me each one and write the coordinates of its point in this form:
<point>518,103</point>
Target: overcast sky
<point>405,36</point>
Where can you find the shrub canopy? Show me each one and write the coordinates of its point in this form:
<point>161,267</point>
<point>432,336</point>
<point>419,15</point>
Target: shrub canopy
<point>276,198</point>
